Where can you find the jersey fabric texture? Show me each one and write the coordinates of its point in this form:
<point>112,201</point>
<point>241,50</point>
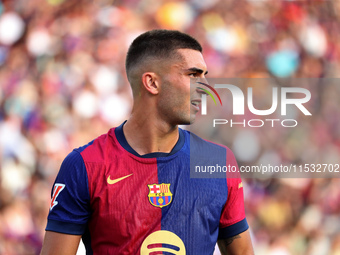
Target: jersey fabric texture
<point>125,203</point>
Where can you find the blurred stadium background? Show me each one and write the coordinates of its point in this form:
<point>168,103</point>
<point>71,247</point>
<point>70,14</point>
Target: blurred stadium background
<point>63,83</point>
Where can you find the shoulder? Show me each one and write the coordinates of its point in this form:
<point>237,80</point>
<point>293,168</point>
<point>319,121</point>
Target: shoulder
<point>210,157</point>
<point>202,145</point>
<point>98,149</point>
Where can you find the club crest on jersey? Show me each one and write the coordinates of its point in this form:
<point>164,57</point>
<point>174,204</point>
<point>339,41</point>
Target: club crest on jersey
<point>58,187</point>
<point>160,194</point>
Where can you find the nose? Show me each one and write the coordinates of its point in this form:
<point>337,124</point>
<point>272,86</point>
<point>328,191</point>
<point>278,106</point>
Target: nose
<point>202,79</point>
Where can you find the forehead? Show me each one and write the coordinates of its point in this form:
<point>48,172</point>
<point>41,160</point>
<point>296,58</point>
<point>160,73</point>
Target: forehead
<point>191,58</point>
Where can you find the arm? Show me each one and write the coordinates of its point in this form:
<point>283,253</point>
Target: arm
<point>236,245</point>
<point>69,209</point>
<point>234,237</point>
<point>58,243</point>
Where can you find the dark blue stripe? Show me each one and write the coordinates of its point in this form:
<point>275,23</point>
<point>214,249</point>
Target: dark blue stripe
<point>65,227</point>
<point>196,205</point>
<point>234,229</point>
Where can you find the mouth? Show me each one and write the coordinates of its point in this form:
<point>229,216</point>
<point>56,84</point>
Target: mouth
<point>196,103</point>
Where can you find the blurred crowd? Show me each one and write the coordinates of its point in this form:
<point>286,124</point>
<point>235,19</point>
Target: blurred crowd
<point>63,83</point>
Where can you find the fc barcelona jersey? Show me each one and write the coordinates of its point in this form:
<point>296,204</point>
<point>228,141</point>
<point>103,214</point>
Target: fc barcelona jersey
<point>125,203</point>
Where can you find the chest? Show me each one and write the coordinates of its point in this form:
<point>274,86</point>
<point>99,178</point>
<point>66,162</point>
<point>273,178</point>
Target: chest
<point>131,200</point>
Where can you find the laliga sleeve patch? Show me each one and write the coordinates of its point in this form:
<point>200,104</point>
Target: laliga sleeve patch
<point>58,187</point>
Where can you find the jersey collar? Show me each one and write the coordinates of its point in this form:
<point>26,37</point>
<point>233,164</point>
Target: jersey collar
<point>122,140</point>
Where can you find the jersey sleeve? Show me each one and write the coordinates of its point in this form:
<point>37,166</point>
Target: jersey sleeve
<point>233,220</point>
<point>70,198</point>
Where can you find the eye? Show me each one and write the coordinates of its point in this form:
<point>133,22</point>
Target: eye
<point>193,75</point>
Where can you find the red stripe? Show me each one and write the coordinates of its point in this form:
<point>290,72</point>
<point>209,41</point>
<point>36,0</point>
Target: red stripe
<point>212,90</point>
<point>142,204</point>
<point>55,193</point>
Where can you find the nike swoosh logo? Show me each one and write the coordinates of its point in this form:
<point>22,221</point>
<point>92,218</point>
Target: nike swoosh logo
<point>109,181</point>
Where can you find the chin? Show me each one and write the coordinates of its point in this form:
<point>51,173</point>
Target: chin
<point>192,120</point>
<point>189,121</point>
<point>186,119</point>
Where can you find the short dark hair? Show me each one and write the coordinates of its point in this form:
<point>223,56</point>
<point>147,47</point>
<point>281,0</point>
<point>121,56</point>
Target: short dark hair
<point>158,43</point>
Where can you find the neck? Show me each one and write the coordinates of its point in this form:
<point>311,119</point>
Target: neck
<point>147,134</point>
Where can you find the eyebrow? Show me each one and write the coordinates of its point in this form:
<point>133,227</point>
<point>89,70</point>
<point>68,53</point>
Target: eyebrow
<point>197,70</point>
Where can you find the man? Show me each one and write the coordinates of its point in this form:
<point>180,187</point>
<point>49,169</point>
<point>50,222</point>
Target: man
<point>129,191</point>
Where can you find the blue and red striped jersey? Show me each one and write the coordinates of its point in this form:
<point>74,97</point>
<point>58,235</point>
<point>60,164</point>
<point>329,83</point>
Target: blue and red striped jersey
<point>125,203</point>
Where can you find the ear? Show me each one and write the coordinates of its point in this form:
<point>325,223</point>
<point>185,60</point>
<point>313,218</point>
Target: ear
<point>151,82</point>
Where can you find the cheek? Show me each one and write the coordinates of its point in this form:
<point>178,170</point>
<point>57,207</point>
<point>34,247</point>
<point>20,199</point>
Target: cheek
<point>185,90</point>
<point>177,93</point>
